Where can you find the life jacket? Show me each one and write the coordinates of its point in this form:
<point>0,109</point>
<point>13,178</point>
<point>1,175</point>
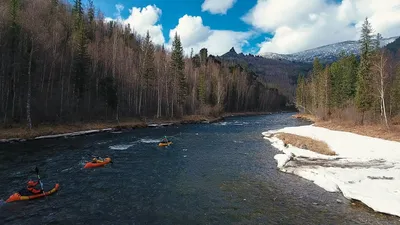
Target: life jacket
<point>31,187</point>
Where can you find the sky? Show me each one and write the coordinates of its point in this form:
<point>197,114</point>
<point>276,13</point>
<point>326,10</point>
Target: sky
<point>254,26</point>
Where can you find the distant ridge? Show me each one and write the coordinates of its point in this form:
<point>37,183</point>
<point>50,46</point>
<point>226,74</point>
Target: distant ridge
<point>326,53</point>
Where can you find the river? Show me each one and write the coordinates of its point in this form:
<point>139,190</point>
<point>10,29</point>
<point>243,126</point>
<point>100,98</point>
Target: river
<point>221,173</point>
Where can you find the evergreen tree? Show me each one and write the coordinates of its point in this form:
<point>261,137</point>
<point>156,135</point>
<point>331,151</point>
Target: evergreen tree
<point>202,88</point>
<point>203,56</point>
<point>148,62</point>
<point>395,94</point>
<point>315,78</point>
<point>300,93</point>
<point>378,41</point>
<point>91,22</point>
<point>148,70</point>
<point>364,98</point>
<point>350,65</point>
<point>177,68</point>
<point>108,91</point>
<point>337,85</point>
<point>91,11</point>
<point>326,89</point>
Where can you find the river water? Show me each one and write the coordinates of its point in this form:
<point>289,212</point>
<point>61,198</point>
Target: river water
<point>221,173</point>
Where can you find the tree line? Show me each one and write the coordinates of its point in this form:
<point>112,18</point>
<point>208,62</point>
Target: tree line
<point>363,89</point>
<point>62,62</point>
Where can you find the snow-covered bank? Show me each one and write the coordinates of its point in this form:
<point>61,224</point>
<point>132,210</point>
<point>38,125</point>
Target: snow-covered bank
<point>78,133</point>
<point>73,133</point>
<point>365,168</point>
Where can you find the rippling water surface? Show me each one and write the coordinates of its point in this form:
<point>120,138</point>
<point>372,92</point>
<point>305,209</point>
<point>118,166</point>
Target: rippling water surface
<point>221,173</point>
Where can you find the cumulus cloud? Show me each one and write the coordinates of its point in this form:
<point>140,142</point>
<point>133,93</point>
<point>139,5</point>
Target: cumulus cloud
<point>191,30</point>
<point>194,34</point>
<point>217,6</point>
<point>146,19</point>
<point>298,25</point>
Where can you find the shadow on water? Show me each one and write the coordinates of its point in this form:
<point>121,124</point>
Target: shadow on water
<point>220,173</point>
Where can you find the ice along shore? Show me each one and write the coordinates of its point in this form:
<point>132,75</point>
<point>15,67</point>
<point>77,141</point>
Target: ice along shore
<point>364,168</point>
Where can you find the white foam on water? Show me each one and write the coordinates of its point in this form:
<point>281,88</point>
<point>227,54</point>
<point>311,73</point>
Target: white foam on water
<point>150,141</point>
<point>120,147</point>
<point>66,170</point>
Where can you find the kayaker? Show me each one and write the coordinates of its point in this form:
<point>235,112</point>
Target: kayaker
<point>97,160</point>
<point>33,187</point>
<point>164,140</point>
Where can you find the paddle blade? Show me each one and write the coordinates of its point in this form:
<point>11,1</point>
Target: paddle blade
<point>37,170</point>
<point>2,202</point>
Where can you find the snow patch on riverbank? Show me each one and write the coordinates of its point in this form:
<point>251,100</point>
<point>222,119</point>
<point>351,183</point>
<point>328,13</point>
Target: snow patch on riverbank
<point>365,168</point>
<point>65,135</point>
<point>73,133</point>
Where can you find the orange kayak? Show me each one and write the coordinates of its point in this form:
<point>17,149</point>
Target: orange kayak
<point>164,144</point>
<point>19,197</point>
<point>98,163</point>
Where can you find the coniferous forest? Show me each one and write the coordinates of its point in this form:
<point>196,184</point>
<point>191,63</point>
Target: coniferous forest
<point>363,89</point>
<point>62,62</point>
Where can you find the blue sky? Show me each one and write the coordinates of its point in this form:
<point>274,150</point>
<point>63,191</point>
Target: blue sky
<point>251,26</point>
<point>172,10</point>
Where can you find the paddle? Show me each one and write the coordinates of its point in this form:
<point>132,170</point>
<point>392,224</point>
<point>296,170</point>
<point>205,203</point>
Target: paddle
<point>41,184</point>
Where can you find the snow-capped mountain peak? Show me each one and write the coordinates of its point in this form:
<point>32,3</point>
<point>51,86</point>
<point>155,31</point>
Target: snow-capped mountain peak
<point>325,54</point>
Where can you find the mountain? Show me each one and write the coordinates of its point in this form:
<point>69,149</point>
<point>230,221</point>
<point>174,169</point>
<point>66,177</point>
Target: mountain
<point>394,48</point>
<point>327,53</point>
<point>278,73</point>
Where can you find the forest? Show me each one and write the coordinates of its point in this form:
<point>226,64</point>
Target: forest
<point>62,62</point>
<point>363,90</point>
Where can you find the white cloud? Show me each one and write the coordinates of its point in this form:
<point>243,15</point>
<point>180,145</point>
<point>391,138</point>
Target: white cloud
<point>191,30</point>
<point>146,19</point>
<point>195,35</point>
<point>217,6</point>
<point>298,25</point>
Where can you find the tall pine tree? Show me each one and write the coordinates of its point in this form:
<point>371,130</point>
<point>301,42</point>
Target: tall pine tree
<point>177,68</point>
<point>315,85</point>
<point>395,94</point>
<point>364,98</point>
<point>148,70</point>
<point>300,93</point>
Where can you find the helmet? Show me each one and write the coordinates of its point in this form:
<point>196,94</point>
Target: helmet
<point>31,183</point>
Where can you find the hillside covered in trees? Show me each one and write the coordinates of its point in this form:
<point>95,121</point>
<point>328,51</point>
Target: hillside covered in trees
<point>365,90</point>
<point>62,62</point>
<point>279,73</point>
